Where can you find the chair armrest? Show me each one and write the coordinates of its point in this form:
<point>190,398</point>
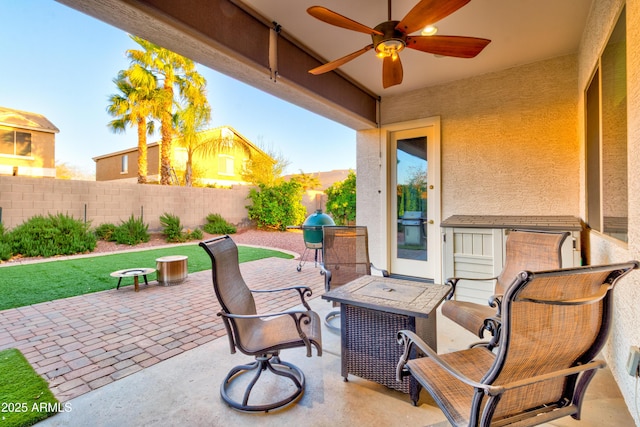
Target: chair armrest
<point>384,272</point>
<point>593,365</point>
<point>453,282</point>
<point>410,339</point>
<point>303,291</point>
<point>495,301</point>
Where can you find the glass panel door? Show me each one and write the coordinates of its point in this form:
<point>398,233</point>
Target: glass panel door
<point>410,215</point>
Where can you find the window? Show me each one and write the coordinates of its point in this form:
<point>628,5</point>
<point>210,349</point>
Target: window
<point>226,165</point>
<point>15,143</point>
<point>124,165</point>
<point>606,139</point>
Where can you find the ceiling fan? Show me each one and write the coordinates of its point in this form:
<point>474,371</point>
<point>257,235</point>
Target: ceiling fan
<point>391,37</point>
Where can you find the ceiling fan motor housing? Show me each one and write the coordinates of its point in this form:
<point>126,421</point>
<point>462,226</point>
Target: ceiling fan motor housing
<point>391,41</point>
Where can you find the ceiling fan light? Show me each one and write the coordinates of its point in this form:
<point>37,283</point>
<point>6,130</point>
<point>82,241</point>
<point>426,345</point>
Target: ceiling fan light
<point>389,47</point>
<point>429,30</point>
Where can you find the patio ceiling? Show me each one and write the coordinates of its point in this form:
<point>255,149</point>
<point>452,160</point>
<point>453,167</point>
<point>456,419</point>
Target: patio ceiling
<point>233,37</point>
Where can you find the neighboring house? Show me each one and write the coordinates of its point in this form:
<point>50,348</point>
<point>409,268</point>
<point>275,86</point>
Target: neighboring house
<point>27,144</point>
<point>222,169</point>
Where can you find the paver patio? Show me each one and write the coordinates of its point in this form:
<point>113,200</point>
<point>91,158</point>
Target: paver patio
<point>82,343</point>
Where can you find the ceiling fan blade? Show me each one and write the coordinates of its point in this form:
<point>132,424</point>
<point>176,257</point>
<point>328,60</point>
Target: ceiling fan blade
<point>333,18</point>
<point>456,46</point>
<point>329,66</point>
<point>428,12</point>
<point>391,72</point>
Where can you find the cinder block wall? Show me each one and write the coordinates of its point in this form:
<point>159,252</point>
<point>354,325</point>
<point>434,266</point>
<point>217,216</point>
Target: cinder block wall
<point>111,202</point>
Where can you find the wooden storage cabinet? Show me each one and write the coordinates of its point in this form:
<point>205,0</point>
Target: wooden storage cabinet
<point>474,247</point>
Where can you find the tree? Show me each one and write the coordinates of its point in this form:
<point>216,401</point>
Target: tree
<point>266,168</point>
<point>341,200</point>
<point>172,71</point>
<point>136,103</point>
<point>65,170</point>
<point>307,181</point>
<point>191,121</point>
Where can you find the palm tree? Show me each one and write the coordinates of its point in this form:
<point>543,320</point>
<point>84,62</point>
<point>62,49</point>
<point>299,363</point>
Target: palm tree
<point>192,117</point>
<point>191,121</point>
<point>135,104</point>
<point>173,71</point>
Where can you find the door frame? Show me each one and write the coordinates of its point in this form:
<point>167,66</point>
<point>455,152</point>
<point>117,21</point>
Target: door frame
<point>434,194</point>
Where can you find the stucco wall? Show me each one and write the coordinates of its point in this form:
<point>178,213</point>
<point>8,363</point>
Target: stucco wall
<point>112,202</point>
<point>626,325</point>
<point>509,146</point>
<point>109,167</point>
<point>513,143</point>
<point>371,192</point>
<point>509,139</point>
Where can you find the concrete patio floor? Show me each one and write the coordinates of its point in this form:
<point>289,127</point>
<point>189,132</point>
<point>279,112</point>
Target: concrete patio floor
<point>121,358</point>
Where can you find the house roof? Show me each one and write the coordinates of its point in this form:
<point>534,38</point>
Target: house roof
<point>26,120</point>
<point>208,131</point>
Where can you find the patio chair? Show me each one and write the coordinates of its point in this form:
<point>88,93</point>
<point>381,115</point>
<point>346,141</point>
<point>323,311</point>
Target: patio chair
<point>554,323</point>
<point>345,255</point>
<point>259,335</point>
<point>525,250</point>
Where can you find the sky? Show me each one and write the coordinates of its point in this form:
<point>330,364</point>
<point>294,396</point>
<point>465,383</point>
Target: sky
<point>61,63</point>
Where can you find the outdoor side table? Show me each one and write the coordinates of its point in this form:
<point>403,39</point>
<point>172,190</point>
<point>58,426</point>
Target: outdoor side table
<point>372,311</point>
<point>135,273</point>
<point>172,269</point>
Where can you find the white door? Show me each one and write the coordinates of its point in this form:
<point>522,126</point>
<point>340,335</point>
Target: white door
<point>415,203</point>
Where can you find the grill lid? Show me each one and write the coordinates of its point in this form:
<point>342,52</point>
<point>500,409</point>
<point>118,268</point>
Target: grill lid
<point>312,226</point>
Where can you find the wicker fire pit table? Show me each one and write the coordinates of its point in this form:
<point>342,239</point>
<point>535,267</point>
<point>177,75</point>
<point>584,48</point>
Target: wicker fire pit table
<point>372,311</point>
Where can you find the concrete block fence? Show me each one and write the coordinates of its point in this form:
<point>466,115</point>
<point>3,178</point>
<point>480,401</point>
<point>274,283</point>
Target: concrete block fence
<point>112,202</point>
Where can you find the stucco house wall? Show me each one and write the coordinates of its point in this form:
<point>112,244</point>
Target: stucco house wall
<point>509,139</point>
<point>109,166</point>
<point>626,325</point>
<point>508,144</point>
<point>41,162</point>
<point>513,143</point>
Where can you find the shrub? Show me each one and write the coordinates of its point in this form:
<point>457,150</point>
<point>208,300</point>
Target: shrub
<point>172,228</point>
<point>341,200</point>
<point>131,232</point>
<point>105,232</point>
<point>277,206</point>
<point>218,225</point>
<point>5,251</point>
<point>5,246</point>
<point>195,234</point>
<point>52,235</point>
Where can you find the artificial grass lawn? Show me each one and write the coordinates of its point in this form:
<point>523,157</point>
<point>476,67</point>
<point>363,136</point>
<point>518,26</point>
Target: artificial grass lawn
<point>28,284</point>
<point>24,395</point>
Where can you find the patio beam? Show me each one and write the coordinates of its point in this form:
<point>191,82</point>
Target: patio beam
<point>230,38</point>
